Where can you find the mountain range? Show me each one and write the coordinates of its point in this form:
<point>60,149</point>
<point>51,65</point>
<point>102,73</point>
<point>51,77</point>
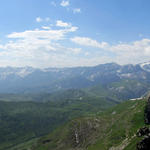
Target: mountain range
<point>29,80</point>
<point>38,104</point>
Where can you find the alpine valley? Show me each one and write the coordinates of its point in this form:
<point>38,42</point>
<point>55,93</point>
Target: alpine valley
<point>104,107</point>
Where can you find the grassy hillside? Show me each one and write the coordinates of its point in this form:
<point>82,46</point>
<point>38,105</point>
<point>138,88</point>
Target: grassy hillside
<point>22,121</point>
<point>114,129</point>
<point>121,90</point>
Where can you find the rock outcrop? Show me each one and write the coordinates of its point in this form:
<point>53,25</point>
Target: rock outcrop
<point>144,132</point>
<point>81,130</point>
<point>144,144</point>
<point>147,112</point>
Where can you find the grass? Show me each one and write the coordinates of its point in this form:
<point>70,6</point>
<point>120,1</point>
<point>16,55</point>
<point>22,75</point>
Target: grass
<point>115,127</point>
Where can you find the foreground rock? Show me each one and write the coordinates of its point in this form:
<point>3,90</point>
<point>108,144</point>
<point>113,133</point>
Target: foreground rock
<point>144,144</point>
<point>144,132</point>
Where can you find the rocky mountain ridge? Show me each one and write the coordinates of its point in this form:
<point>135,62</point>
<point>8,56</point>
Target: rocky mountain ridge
<point>26,79</point>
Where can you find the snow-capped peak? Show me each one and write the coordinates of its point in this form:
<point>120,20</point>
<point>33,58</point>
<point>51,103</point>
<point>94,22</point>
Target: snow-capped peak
<point>145,66</point>
<point>24,72</point>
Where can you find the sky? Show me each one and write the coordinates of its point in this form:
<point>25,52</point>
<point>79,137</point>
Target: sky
<point>69,33</point>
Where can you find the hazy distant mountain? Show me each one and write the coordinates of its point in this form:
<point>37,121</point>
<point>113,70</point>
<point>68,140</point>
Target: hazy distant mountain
<point>28,79</point>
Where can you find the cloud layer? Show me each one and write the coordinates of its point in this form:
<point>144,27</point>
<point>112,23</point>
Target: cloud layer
<point>60,47</point>
<point>85,41</point>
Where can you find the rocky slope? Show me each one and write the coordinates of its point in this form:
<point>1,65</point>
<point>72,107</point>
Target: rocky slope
<point>115,129</point>
<point>144,132</point>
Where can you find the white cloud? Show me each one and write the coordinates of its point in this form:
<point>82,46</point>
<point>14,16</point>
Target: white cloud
<point>60,23</point>
<point>38,48</point>
<point>35,34</point>
<point>64,3</point>
<point>76,10</point>
<point>85,41</point>
<point>46,27</point>
<point>134,52</point>
<point>122,53</point>
<point>43,48</point>
<point>39,19</point>
<point>141,47</point>
<point>75,50</point>
<point>133,47</point>
<point>86,54</point>
<point>42,34</point>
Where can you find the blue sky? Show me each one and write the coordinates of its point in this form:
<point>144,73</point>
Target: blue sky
<point>66,33</point>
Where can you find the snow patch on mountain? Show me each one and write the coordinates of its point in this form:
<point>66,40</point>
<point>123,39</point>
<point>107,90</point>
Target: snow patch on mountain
<point>24,72</point>
<point>145,66</point>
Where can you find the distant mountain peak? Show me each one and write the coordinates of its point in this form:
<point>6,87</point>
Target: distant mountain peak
<point>145,66</point>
